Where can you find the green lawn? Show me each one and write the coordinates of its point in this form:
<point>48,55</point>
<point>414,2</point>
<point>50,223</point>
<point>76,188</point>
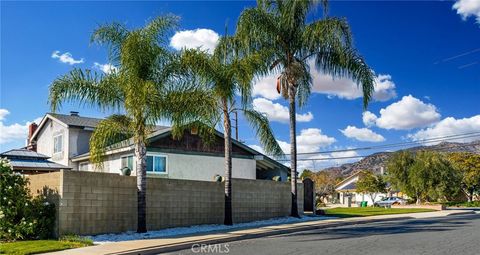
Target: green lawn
<point>345,212</point>
<point>40,246</point>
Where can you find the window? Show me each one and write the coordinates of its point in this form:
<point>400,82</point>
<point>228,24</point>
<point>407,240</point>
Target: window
<point>83,166</point>
<point>156,164</point>
<point>127,161</point>
<point>58,144</point>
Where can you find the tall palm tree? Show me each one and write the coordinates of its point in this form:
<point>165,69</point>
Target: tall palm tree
<point>144,86</point>
<point>281,27</point>
<point>227,73</point>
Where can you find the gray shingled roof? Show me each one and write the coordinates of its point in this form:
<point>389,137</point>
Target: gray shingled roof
<point>350,186</point>
<point>23,153</point>
<point>18,164</point>
<point>22,159</point>
<point>78,121</point>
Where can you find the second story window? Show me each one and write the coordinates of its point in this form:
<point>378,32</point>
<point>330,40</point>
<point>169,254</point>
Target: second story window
<point>57,144</point>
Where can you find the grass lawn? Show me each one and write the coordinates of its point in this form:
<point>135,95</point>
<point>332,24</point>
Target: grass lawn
<point>40,246</point>
<point>345,212</point>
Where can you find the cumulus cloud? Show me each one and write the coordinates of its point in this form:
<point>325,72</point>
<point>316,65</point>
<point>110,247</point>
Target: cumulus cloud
<point>13,132</point>
<point>321,161</point>
<point>450,126</point>
<point>106,68</point>
<point>66,58</point>
<point>266,87</point>
<point>205,39</point>
<point>326,84</point>
<point>362,134</point>
<point>408,113</point>
<point>467,8</point>
<point>277,112</point>
<point>309,140</point>
<point>369,118</point>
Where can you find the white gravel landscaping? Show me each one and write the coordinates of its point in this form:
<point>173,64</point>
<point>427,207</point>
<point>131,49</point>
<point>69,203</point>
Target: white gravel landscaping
<point>131,235</point>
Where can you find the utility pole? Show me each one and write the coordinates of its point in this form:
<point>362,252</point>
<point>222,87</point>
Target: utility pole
<point>236,125</point>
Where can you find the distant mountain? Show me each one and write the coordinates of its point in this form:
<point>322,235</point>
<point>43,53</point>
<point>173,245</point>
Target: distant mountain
<point>378,160</point>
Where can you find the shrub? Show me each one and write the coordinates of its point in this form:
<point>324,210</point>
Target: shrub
<point>21,216</point>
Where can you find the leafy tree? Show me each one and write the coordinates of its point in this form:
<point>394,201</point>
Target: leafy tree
<point>425,175</point>
<point>371,184</point>
<point>226,72</point>
<point>468,164</point>
<point>398,172</point>
<point>306,174</point>
<point>325,183</point>
<point>281,28</point>
<point>146,87</point>
<point>21,216</point>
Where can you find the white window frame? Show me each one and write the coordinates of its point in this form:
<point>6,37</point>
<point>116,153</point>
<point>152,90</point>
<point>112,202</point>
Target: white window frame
<point>134,166</point>
<point>83,164</point>
<point>166,163</point>
<point>54,144</point>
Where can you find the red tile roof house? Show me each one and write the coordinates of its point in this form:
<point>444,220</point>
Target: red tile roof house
<point>65,139</point>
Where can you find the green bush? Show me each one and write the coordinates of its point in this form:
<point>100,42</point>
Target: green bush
<point>21,216</point>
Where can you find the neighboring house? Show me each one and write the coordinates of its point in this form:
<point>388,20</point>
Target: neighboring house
<point>347,192</point>
<point>30,162</point>
<point>66,139</point>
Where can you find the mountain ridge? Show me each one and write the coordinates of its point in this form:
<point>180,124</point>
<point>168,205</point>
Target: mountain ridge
<point>377,161</point>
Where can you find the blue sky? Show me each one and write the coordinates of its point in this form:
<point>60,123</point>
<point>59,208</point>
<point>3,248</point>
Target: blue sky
<point>426,56</point>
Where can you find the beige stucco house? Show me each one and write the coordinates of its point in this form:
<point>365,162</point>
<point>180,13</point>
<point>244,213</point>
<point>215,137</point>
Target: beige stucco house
<point>65,138</point>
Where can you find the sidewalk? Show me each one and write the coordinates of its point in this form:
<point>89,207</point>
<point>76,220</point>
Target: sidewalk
<point>155,246</point>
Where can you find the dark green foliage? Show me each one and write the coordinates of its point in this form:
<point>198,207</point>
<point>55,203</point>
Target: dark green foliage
<point>426,176</point>
<point>21,216</point>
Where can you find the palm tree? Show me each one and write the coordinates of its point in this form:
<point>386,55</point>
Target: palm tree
<point>281,27</point>
<point>226,73</point>
<point>145,87</point>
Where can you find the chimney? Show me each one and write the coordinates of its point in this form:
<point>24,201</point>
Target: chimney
<point>31,145</point>
<point>74,113</point>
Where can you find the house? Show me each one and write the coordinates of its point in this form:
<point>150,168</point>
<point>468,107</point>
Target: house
<point>30,162</point>
<point>346,192</point>
<point>65,138</point>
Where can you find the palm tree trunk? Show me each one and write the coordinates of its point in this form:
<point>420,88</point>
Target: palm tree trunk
<point>293,150</point>
<point>228,220</point>
<point>141,166</point>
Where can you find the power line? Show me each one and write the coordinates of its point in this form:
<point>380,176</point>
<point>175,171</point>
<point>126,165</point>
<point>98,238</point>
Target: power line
<point>364,156</point>
<point>392,145</point>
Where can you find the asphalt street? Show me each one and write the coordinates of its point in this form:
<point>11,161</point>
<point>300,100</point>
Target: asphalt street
<point>455,234</point>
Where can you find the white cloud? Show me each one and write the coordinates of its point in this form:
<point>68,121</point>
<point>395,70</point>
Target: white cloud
<point>13,132</point>
<point>266,87</point>
<point>450,126</point>
<point>362,134</point>
<point>277,112</point>
<point>321,161</point>
<point>407,113</point>
<point>467,8</point>
<point>326,84</point>
<point>106,68</point>
<point>66,58</point>
<point>347,89</point>
<point>257,148</point>
<point>206,39</point>
<point>369,118</point>
<point>3,113</point>
<point>309,140</point>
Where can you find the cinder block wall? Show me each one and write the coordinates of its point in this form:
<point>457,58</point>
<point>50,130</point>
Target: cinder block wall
<point>262,199</point>
<point>93,203</point>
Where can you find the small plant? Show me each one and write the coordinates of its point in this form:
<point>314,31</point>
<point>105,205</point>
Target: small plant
<point>21,216</point>
<point>76,239</point>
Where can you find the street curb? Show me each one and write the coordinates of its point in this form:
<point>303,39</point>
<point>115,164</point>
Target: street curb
<point>187,245</point>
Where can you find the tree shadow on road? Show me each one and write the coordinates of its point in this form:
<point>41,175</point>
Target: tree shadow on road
<point>385,228</point>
